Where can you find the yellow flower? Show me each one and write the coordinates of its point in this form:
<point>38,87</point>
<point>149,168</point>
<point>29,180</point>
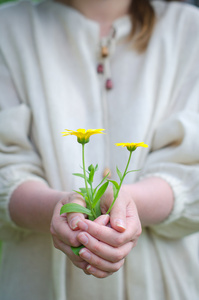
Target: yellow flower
<point>132,146</point>
<point>82,134</point>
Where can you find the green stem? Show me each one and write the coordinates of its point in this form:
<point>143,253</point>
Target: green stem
<point>86,185</point>
<point>121,181</point>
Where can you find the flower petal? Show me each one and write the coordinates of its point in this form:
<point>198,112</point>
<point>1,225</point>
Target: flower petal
<point>82,134</point>
<point>132,146</point>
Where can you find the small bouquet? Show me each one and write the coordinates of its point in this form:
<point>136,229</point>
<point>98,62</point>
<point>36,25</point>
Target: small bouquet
<point>90,194</point>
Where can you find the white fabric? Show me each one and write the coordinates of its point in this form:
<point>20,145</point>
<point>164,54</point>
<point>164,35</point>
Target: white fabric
<point>48,82</point>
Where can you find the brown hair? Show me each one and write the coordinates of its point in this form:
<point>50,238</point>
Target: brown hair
<point>143,20</point>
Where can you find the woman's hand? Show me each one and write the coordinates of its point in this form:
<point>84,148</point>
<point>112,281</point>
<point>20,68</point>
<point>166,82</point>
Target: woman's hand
<point>64,229</point>
<point>107,240</point>
<point>107,246</point>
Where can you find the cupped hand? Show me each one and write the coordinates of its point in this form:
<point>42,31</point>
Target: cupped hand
<point>64,228</point>
<point>107,240</point>
<point>107,246</point>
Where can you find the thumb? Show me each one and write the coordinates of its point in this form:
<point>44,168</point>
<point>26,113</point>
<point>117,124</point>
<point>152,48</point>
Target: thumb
<point>74,218</point>
<point>118,216</point>
<point>102,220</point>
<point>118,211</point>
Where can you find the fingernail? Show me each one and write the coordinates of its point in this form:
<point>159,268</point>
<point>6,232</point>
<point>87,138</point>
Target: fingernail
<point>86,272</point>
<point>120,223</point>
<point>73,222</point>
<point>83,238</point>
<point>85,254</point>
<point>90,269</point>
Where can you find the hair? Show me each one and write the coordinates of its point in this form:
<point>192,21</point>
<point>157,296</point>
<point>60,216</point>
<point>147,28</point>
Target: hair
<point>143,19</point>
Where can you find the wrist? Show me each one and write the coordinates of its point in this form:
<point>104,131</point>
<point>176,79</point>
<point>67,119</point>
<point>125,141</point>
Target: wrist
<point>32,204</point>
<point>153,198</point>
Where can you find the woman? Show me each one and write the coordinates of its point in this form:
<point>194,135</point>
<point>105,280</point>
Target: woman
<point>128,67</point>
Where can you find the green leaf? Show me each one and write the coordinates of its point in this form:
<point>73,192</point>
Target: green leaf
<point>133,171</point>
<point>91,167</point>
<point>76,249</point>
<point>99,193</point>
<point>114,191</point>
<point>91,218</point>
<point>100,183</point>
<point>119,173</point>
<point>84,195</point>
<point>79,193</point>
<point>115,184</point>
<point>91,175</point>
<point>98,209</point>
<point>83,170</point>
<point>96,167</point>
<point>83,190</point>
<point>74,207</point>
<point>80,175</point>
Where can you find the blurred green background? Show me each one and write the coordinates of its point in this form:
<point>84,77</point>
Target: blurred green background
<point>4,1</point>
<point>0,249</point>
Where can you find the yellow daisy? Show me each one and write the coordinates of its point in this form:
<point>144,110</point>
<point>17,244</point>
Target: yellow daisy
<point>82,134</point>
<point>132,146</point>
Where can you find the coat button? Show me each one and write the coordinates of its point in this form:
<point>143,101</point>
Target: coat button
<point>104,51</point>
<point>109,84</point>
<point>106,172</point>
<point>100,69</point>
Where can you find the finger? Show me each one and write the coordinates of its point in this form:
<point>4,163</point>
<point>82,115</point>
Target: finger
<point>60,229</point>
<point>105,233</point>
<point>86,272</point>
<point>77,260</point>
<point>74,218</point>
<point>97,273</point>
<point>118,216</point>
<point>100,253</point>
<point>63,232</point>
<point>102,220</point>
<point>118,211</point>
<point>100,263</point>
<point>106,200</point>
<point>124,215</point>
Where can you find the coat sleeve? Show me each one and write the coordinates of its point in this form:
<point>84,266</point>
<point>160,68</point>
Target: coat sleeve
<point>175,158</point>
<point>19,162</point>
